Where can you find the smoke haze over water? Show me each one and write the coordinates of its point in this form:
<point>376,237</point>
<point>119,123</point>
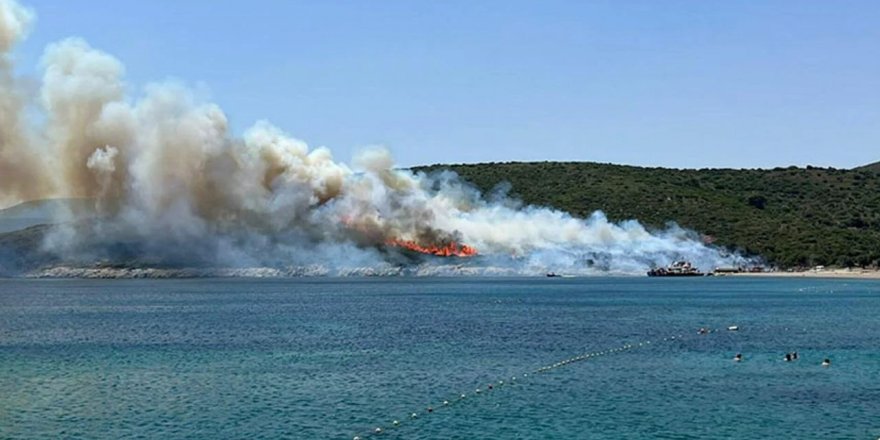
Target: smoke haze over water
<point>173,187</point>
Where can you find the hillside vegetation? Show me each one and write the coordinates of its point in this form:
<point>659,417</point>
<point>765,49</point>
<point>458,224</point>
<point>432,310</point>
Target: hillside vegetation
<point>870,167</point>
<point>793,217</point>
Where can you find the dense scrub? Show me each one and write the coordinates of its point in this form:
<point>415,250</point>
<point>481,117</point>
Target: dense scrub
<point>794,217</point>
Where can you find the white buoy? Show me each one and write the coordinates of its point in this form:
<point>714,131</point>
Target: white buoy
<point>733,328</point>
<point>445,402</point>
<point>378,430</point>
<point>395,423</point>
<point>462,396</point>
<point>414,415</point>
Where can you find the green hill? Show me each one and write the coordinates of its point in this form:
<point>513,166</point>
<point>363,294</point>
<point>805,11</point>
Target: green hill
<point>791,216</point>
<point>875,167</point>
<point>45,211</point>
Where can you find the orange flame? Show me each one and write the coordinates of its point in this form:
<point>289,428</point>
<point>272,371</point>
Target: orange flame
<point>452,249</point>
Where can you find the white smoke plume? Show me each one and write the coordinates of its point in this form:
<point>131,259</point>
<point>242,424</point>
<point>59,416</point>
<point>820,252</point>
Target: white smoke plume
<point>173,187</point>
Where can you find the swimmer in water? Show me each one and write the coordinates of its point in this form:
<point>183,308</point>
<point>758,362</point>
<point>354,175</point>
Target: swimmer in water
<point>787,357</point>
<point>826,362</point>
<point>794,355</point>
<point>738,357</point>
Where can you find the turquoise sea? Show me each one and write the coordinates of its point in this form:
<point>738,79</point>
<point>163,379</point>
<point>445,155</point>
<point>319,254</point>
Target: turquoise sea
<point>337,358</point>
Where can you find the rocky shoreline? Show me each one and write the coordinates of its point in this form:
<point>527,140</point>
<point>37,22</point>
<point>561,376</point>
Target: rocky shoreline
<point>73,272</point>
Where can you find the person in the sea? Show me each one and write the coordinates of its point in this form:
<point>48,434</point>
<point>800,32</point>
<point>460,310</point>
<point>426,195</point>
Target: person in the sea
<point>787,357</point>
<point>794,355</point>
<point>738,357</point>
<point>826,362</point>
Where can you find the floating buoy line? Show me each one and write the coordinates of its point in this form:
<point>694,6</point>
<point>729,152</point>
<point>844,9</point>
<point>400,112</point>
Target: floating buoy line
<point>492,387</point>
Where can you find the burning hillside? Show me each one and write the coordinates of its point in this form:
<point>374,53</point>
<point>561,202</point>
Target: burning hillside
<point>451,249</point>
<point>173,186</point>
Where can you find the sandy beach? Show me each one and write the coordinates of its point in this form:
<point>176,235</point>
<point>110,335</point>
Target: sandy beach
<point>824,273</point>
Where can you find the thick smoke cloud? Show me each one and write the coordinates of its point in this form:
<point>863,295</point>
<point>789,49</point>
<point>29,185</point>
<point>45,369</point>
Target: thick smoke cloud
<point>172,187</point>
<point>20,165</point>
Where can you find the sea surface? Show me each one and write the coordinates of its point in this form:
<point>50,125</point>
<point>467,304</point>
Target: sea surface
<point>337,358</point>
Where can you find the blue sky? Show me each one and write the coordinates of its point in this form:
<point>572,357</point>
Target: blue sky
<point>660,83</point>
